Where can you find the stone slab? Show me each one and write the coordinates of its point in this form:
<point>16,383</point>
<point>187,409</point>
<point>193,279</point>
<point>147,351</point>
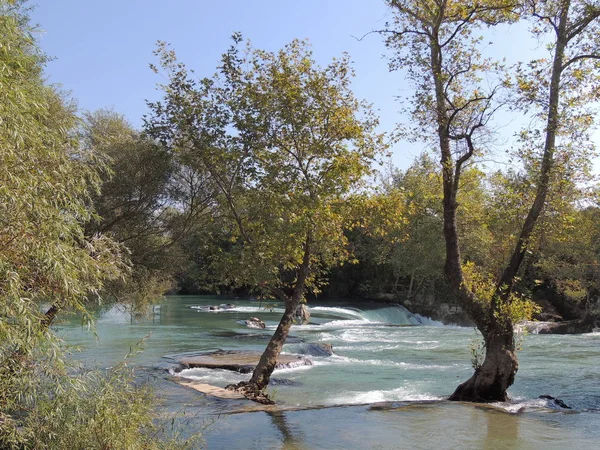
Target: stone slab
<point>214,391</point>
<point>238,361</point>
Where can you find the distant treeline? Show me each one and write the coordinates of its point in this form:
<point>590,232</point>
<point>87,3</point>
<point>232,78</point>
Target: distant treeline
<point>163,210</point>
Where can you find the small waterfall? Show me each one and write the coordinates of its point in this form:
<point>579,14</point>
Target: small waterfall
<point>532,327</point>
<point>394,315</point>
<point>337,311</point>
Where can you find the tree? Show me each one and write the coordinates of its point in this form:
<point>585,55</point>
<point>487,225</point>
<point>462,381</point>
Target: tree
<point>285,142</point>
<point>149,201</point>
<point>420,257</point>
<point>46,182</point>
<point>436,36</point>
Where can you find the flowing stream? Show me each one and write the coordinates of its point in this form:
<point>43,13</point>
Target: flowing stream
<point>385,386</point>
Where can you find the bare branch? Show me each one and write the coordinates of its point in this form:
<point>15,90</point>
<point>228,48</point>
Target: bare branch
<point>579,58</point>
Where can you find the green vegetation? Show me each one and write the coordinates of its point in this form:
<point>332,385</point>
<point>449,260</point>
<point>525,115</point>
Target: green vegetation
<point>254,180</point>
<point>46,185</point>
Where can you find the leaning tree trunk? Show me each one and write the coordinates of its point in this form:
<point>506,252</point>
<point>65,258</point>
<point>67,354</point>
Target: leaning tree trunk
<point>497,373</point>
<point>254,389</point>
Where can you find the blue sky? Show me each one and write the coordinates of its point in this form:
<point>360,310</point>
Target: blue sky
<point>102,48</point>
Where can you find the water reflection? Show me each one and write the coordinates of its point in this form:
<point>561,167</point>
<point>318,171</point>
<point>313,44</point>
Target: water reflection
<point>502,431</point>
<point>279,419</point>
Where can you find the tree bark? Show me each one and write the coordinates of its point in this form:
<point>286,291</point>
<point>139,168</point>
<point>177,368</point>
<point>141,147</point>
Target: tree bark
<point>491,380</point>
<point>49,316</point>
<point>506,281</point>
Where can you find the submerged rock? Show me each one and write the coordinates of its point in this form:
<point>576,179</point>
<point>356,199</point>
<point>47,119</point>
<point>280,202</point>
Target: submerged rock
<point>284,382</point>
<point>237,360</point>
<point>254,322</point>
<point>320,349</point>
<point>557,401</point>
<point>221,307</point>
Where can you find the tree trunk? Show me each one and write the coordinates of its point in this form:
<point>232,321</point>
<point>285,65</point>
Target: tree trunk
<point>254,389</point>
<point>262,373</point>
<point>491,380</point>
<point>49,316</point>
<point>497,373</point>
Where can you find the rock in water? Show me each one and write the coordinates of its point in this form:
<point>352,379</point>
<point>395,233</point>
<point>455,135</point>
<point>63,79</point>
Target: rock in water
<point>302,314</point>
<point>254,322</point>
<point>320,349</point>
<point>585,325</point>
<point>221,307</point>
<point>236,360</point>
<point>557,401</point>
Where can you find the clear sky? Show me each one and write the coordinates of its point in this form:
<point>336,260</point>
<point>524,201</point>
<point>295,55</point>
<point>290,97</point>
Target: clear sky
<point>102,48</point>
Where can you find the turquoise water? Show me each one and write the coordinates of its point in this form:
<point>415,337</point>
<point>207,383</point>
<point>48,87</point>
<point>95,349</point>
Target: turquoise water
<point>384,387</point>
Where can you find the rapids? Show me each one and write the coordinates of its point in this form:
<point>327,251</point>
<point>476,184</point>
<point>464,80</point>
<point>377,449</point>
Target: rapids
<point>384,387</point>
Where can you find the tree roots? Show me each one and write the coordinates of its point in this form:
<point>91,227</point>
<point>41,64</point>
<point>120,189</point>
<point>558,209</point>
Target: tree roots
<point>251,391</point>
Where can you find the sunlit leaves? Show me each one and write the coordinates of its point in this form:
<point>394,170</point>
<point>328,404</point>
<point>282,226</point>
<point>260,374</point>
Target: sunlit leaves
<point>517,308</point>
<point>285,142</point>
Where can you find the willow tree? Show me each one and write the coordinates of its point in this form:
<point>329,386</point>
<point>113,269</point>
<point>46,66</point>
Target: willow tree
<point>435,39</point>
<point>45,258</point>
<point>284,141</point>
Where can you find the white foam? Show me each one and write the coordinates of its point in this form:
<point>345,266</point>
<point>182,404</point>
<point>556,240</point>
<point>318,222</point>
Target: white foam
<point>424,320</point>
<point>398,394</point>
<point>244,309</point>
<point>531,326</point>
<point>334,325</point>
<point>345,360</point>
<point>214,376</point>
<point>293,369</point>
<point>367,335</point>
<point>593,334</point>
<point>517,407</point>
<point>256,309</point>
<point>421,345</point>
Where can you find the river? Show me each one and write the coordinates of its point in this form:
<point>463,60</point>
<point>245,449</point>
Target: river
<point>385,387</point>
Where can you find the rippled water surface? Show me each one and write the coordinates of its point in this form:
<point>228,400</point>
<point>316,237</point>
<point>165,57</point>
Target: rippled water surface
<point>384,387</point>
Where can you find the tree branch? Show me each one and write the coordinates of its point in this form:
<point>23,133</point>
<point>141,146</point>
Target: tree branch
<point>579,58</point>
